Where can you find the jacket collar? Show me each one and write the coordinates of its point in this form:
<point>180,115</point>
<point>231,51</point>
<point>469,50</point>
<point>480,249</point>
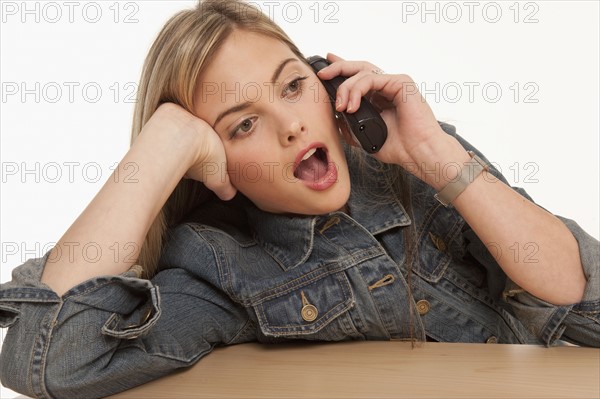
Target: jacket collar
<point>289,238</point>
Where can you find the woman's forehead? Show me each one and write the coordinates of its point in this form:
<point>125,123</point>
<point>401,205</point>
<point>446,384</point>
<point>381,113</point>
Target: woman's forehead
<point>245,61</point>
<point>247,57</point>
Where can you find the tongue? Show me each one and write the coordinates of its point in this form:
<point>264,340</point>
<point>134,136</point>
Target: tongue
<point>312,169</point>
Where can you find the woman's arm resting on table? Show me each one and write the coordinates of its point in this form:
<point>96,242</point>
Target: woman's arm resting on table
<point>112,333</point>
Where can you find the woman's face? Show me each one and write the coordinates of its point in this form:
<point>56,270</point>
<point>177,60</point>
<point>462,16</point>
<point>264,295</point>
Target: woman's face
<point>276,123</point>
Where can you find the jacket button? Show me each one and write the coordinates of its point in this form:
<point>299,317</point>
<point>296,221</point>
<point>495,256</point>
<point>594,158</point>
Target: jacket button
<point>423,307</point>
<point>492,340</point>
<point>309,312</point>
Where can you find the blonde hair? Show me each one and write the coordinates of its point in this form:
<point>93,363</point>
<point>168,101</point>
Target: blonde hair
<point>180,53</point>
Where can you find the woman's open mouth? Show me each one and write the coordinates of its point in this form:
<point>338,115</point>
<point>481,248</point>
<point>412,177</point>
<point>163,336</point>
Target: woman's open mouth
<point>314,168</point>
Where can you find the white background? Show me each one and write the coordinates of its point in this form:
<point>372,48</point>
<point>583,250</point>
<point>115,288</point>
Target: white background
<point>545,140</point>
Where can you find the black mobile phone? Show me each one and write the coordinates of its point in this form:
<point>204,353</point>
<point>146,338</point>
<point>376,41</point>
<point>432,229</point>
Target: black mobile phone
<point>367,127</point>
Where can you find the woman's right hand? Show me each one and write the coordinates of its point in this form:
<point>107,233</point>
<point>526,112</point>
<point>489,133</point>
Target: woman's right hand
<point>208,162</point>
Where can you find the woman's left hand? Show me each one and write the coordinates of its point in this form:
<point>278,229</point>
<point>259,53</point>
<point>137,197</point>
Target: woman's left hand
<point>415,139</point>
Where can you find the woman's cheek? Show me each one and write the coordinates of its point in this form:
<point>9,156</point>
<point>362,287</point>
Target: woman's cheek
<point>246,171</point>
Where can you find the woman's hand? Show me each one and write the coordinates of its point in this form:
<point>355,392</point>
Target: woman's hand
<point>207,162</point>
<point>415,139</point>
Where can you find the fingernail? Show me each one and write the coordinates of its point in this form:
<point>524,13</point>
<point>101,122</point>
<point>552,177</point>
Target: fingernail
<point>349,106</point>
<point>338,103</point>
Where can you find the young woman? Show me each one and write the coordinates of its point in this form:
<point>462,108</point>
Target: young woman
<point>255,219</point>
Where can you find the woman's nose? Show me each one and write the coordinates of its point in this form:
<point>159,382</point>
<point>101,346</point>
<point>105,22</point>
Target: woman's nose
<point>293,128</point>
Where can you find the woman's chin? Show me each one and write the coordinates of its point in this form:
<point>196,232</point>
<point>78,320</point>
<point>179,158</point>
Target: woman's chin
<point>334,202</point>
<point>319,205</point>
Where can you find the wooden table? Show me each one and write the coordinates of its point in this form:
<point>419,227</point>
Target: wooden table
<point>384,370</point>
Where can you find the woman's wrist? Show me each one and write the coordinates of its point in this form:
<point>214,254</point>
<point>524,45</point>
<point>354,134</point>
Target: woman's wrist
<point>173,145</point>
<point>438,161</point>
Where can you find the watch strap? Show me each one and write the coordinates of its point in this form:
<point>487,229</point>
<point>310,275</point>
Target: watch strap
<point>472,168</point>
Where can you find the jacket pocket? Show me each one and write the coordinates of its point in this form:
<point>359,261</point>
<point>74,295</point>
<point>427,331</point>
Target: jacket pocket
<point>318,310</point>
<point>439,239</point>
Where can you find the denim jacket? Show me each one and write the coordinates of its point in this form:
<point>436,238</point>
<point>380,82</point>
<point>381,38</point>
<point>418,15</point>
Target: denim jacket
<point>234,274</point>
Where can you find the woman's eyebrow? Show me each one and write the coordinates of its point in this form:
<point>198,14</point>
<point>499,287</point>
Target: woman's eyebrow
<point>242,106</point>
<point>280,68</point>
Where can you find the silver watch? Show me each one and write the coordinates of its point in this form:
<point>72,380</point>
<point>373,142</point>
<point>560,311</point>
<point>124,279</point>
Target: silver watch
<point>468,174</point>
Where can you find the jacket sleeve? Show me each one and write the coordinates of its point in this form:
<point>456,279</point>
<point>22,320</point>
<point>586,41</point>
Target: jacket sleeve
<point>577,323</point>
<point>111,333</point>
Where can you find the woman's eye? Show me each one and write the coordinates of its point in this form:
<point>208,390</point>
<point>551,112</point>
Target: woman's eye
<point>243,128</point>
<point>246,125</point>
<point>294,87</point>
